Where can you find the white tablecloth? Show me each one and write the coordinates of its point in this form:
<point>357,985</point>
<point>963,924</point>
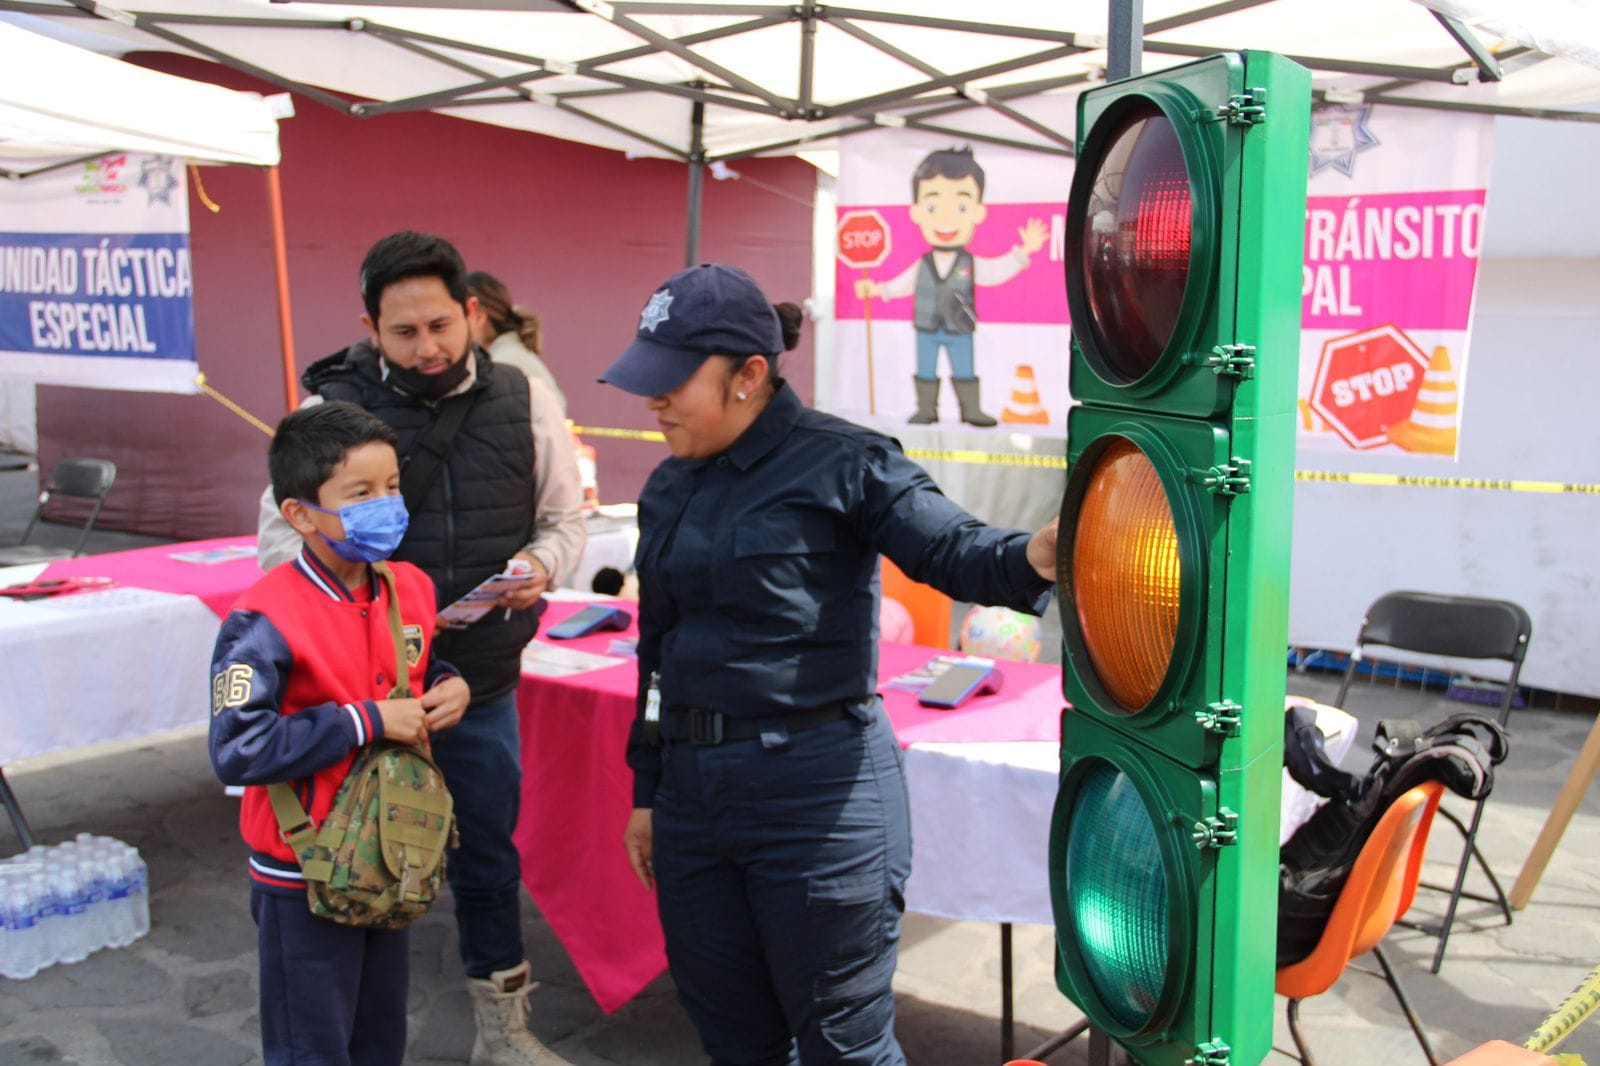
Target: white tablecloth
<point>980,823</point>
<point>100,666</point>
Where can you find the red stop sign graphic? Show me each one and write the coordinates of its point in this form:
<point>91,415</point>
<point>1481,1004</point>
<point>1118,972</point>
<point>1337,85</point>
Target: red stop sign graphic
<point>1366,382</point>
<point>863,239</point>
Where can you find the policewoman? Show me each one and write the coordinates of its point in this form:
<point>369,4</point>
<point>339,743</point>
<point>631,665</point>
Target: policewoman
<point>770,806</point>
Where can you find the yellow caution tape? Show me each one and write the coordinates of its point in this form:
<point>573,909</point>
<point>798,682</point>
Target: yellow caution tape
<point>1039,462</point>
<point>620,434</point>
<point>1046,462</point>
<point>1419,481</point>
<point>1578,1006</point>
<point>1059,462</point>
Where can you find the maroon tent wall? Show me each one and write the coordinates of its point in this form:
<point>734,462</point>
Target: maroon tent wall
<point>580,235</point>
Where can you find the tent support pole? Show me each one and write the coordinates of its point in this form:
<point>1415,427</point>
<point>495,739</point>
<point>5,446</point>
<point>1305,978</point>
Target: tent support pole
<point>1125,40</point>
<point>697,180</point>
<point>280,262</point>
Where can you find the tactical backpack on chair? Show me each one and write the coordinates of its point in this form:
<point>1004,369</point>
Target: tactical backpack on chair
<point>378,859</point>
<point>1313,866</point>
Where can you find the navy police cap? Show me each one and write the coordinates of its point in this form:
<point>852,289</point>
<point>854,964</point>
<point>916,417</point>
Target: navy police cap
<point>710,309</point>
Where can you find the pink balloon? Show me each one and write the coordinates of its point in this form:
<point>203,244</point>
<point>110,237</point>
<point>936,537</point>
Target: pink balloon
<point>894,622</point>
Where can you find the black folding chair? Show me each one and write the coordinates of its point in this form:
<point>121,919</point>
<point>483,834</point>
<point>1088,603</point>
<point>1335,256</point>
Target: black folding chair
<point>86,479</point>
<point>1460,627</point>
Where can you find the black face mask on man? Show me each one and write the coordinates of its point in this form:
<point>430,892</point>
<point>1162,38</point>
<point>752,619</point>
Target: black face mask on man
<point>427,387</point>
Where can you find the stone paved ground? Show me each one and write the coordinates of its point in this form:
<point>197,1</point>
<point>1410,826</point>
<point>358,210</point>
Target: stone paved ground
<point>185,995</point>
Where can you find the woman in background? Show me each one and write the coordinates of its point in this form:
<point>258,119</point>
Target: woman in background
<point>510,333</point>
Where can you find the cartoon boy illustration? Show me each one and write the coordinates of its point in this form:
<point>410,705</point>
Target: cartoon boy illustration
<point>947,204</point>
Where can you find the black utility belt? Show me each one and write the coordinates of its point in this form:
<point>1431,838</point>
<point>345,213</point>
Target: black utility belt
<point>713,727</point>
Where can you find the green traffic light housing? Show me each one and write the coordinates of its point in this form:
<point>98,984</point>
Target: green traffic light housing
<point>1132,894</point>
<point>1183,264</point>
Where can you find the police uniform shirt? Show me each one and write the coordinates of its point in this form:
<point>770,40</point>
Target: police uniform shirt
<point>757,568</point>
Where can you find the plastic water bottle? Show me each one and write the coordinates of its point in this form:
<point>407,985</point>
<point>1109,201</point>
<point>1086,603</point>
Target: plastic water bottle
<point>26,932</point>
<point>139,882</point>
<point>8,946</point>
<point>92,883</point>
<point>42,906</point>
<point>71,939</point>
<point>119,900</point>
<point>22,956</point>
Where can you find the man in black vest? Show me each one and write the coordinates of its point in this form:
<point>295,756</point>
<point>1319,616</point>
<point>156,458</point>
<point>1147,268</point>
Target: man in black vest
<point>490,481</point>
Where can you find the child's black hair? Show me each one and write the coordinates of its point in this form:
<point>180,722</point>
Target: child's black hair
<point>952,163</point>
<point>409,254</point>
<point>312,441</point>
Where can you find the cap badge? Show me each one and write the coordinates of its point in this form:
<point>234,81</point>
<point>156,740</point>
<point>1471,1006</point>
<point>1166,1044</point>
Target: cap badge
<point>655,312</point>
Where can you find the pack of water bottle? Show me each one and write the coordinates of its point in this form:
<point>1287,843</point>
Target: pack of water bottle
<point>64,902</point>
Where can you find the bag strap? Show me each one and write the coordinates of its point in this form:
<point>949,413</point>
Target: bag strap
<point>293,822</point>
<point>427,455</point>
<point>402,673</point>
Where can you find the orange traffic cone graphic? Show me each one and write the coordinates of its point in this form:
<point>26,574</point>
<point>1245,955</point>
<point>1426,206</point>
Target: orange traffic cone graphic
<point>1025,407</point>
<point>1431,427</point>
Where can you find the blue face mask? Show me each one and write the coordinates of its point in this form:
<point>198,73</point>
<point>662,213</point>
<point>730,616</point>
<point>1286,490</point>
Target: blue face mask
<point>372,528</point>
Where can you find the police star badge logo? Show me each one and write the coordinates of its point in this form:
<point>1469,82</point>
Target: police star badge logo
<point>157,179</point>
<point>655,312</point>
<point>1338,135</point>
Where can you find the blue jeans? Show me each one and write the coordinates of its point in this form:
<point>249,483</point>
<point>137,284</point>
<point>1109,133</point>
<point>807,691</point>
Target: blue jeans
<point>482,763</point>
<point>958,346</point>
<point>781,865</point>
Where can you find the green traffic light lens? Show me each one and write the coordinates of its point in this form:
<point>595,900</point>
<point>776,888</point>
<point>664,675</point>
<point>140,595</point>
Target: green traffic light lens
<point>1137,230</point>
<point>1127,575</point>
<point>1117,893</point>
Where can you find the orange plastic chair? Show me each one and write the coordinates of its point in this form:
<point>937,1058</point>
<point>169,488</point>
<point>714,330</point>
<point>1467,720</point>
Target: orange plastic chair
<point>931,610</point>
<point>1380,889</point>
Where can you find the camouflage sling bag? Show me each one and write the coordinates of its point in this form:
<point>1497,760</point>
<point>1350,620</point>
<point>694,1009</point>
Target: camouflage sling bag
<point>378,859</point>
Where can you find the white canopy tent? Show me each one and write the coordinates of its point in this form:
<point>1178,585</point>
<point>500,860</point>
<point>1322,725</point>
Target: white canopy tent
<point>711,80</point>
<point>61,104</point>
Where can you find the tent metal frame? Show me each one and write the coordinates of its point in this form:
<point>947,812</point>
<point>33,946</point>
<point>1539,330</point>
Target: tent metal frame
<point>913,105</point>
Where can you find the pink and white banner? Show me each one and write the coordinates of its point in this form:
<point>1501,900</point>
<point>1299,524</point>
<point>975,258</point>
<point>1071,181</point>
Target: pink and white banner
<point>1394,227</point>
<point>950,304</point>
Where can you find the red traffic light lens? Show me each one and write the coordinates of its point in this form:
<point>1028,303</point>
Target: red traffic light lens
<point>1137,227</point>
<point>1127,575</point>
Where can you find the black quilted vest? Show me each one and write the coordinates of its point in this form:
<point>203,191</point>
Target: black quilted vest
<point>479,511</point>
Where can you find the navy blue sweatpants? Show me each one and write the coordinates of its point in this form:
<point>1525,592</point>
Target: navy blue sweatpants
<point>331,995</point>
<point>781,865</point>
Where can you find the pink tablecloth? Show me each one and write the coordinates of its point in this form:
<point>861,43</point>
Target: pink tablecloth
<point>216,585</point>
<point>577,793</point>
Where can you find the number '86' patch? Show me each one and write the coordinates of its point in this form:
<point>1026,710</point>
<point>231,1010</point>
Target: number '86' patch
<point>230,687</point>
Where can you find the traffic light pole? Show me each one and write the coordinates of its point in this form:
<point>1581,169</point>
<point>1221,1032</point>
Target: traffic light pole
<point>1103,1051</point>
<point>1125,40</point>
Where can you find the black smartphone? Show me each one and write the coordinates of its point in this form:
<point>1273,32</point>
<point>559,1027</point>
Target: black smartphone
<point>588,620</point>
<point>959,683</point>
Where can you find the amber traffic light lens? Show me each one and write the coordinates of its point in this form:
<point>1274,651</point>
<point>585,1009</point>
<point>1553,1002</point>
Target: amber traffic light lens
<point>1126,575</point>
<point>1137,228</point>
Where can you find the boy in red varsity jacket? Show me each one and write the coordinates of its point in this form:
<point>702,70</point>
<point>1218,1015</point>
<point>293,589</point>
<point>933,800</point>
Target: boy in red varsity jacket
<point>300,681</point>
